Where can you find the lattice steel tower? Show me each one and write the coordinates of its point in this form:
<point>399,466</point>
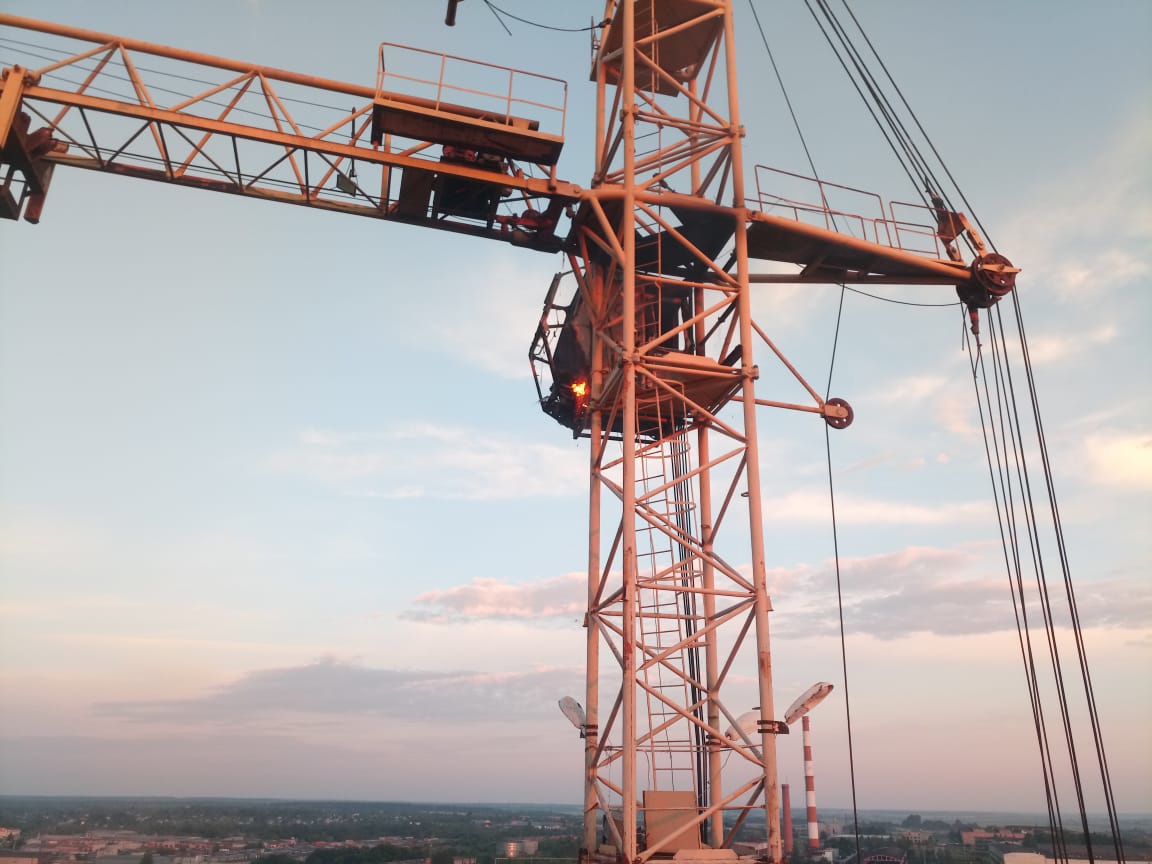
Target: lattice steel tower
<point>651,358</point>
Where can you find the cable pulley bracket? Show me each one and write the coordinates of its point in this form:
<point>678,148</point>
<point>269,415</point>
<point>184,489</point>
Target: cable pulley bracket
<point>837,413</point>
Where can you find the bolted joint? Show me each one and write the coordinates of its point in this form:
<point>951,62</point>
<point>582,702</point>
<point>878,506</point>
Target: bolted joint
<point>26,77</point>
<point>837,413</point>
<point>772,727</point>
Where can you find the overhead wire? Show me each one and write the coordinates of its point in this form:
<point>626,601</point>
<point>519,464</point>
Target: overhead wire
<point>860,92</point>
<point>839,581</point>
<point>827,442</point>
<point>896,302</point>
<point>1015,586</point>
<point>497,11</point>
<point>1005,437</point>
<point>914,167</point>
<point>1010,442</point>
<point>919,170</point>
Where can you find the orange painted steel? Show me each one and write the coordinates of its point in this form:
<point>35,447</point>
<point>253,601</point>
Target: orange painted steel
<point>662,330</point>
<point>651,354</point>
<point>239,135</point>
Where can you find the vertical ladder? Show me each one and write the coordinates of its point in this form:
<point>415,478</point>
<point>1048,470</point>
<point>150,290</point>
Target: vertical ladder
<point>667,616</point>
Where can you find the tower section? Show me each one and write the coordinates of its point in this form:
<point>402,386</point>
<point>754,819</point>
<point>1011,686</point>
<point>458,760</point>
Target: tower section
<point>648,345</point>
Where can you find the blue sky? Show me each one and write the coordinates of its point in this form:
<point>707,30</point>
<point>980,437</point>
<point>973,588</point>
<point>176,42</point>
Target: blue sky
<point>279,514</point>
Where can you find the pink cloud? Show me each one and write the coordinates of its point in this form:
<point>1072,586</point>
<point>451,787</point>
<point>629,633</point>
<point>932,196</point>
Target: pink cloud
<point>558,597</point>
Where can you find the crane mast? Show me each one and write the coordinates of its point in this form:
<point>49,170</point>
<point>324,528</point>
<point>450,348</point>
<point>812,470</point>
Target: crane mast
<point>645,346</point>
<point>650,356</point>
<point>668,336</point>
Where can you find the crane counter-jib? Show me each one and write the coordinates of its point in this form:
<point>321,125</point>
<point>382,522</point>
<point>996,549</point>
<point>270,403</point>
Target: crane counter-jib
<point>481,170</point>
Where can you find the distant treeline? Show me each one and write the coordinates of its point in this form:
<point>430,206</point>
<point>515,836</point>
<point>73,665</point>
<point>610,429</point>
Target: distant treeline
<point>382,854</point>
<point>386,853</point>
<point>470,829</point>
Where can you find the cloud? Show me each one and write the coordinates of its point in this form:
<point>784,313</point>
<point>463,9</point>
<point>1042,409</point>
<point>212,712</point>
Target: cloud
<point>947,592</point>
<point>490,322</point>
<point>813,507</point>
<point>334,687</point>
<point>1067,249</point>
<point>913,388</point>
<point>1049,349</point>
<point>1123,461</point>
<point>491,599</point>
<point>958,415</point>
<point>892,595</point>
<point>786,305</point>
<point>427,460</point>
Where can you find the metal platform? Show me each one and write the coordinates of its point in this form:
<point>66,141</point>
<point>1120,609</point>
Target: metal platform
<point>677,51</point>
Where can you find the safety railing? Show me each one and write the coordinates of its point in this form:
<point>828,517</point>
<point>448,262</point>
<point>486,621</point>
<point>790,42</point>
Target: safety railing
<point>847,210</point>
<point>481,90</point>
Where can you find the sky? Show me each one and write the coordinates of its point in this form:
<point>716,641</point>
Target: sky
<point>280,516</point>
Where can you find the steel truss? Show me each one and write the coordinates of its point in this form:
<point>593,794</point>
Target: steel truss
<point>670,348</point>
<point>651,359</point>
<point>137,109</point>
<point>658,344</point>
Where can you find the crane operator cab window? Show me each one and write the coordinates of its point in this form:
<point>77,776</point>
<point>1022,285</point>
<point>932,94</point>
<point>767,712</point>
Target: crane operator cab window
<point>661,311</point>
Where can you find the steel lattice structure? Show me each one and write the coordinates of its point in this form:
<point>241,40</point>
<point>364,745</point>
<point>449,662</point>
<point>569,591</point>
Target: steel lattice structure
<point>668,332</point>
<point>646,346</point>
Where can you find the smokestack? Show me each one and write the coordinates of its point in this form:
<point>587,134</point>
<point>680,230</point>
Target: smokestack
<point>787,820</point>
<point>810,788</point>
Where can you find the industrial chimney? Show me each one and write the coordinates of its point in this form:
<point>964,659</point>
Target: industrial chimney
<point>810,788</point>
<point>787,820</point>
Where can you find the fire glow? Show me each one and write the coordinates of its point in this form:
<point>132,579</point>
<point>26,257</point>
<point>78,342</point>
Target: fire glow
<point>580,389</point>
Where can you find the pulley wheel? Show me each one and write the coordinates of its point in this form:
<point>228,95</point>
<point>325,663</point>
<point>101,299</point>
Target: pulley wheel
<point>994,273</point>
<point>839,422</point>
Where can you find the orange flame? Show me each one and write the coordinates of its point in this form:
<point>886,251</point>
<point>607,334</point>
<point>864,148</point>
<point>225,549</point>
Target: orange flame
<point>580,389</point>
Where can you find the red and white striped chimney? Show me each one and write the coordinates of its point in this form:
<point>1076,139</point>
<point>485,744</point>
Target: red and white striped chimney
<point>810,787</point>
<point>786,803</point>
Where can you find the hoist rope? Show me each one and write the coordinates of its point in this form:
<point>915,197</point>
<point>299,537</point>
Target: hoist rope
<point>1005,511</point>
<point>783,89</point>
<point>839,585</point>
<point>860,92</point>
<point>1058,531</point>
<point>916,120</point>
<point>827,450</point>
<point>1005,440</point>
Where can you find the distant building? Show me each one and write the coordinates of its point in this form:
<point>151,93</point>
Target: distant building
<point>915,836</point>
<point>976,838</point>
<point>1037,858</point>
<point>1024,858</point>
<point>892,855</point>
<point>22,858</point>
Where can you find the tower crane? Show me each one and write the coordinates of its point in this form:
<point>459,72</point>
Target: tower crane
<point>647,345</point>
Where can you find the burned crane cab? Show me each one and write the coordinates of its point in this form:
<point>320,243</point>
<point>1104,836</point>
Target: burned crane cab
<point>680,384</point>
<point>561,358</point>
